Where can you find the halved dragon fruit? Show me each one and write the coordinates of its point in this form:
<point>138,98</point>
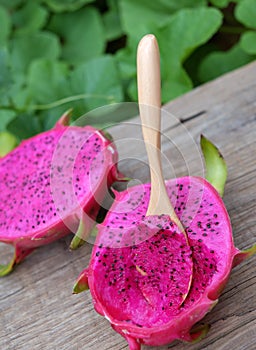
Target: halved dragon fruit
<point>52,184</point>
<point>140,266</point>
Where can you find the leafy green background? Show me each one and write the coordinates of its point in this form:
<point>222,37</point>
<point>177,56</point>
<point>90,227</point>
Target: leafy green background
<point>81,54</point>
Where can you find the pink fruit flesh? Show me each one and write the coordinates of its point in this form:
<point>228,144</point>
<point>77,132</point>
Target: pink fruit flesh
<point>135,275</point>
<point>49,180</point>
<point>133,278</point>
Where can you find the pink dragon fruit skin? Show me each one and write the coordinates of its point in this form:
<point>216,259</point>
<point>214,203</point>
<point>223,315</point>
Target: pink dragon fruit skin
<point>44,190</point>
<point>132,298</point>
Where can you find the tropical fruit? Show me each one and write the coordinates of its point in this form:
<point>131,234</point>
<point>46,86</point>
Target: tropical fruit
<point>51,184</point>
<point>140,267</point>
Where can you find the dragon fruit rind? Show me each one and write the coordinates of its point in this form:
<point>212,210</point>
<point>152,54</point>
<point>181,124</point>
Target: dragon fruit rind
<point>139,270</point>
<point>51,184</point>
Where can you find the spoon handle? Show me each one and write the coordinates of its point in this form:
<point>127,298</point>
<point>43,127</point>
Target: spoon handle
<point>149,95</point>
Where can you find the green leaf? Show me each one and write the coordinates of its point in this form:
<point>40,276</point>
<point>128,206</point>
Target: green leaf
<point>248,42</point>
<point>47,81</point>
<point>18,96</point>
<point>5,78</point>
<point>27,47</point>
<point>24,126</point>
<point>110,115</point>
<point>187,30</point>
<point>81,41</point>
<point>5,25</point>
<point>245,12</point>
<point>141,17</point>
<point>112,23</point>
<point>5,118</point>
<point>49,118</point>
<point>177,82</point>
<point>11,4</point>
<point>92,84</point>
<point>48,86</point>
<point>218,63</point>
<point>13,90</point>
<point>99,80</point>
<point>192,64</point>
<point>7,142</point>
<point>126,59</point>
<point>66,5</point>
<point>220,3</point>
<point>32,16</point>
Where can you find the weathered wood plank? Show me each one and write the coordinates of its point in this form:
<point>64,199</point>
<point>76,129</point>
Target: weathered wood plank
<point>37,308</point>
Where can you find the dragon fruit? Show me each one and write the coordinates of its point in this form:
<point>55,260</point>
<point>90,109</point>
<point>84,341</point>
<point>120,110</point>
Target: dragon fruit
<point>51,184</point>
<point>139,270</point>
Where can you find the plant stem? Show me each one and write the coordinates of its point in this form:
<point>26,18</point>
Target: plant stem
<point>57,103</point>
<point>71,99</point>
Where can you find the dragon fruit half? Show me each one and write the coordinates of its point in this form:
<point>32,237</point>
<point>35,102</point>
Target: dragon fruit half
<point>140,269</point>
<point>52,184</point>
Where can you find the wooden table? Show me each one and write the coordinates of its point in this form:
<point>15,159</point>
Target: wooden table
<point>37,308</point>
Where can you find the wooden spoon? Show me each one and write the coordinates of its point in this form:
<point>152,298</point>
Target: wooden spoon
<point>149,95</point>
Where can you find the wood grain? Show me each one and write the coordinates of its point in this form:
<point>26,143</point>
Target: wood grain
<point>37,308</point>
